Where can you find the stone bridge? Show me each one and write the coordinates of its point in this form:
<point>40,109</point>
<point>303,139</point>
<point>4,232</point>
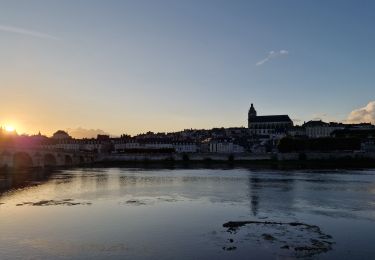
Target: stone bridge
<point>27,157</point>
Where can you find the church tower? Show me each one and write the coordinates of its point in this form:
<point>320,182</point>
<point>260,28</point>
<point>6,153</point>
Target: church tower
<point>252,113</point>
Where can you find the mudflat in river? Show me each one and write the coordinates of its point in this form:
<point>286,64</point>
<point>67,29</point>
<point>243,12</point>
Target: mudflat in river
<point>131,213</point>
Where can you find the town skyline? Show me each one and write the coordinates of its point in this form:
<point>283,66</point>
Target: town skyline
<point>357,116</point>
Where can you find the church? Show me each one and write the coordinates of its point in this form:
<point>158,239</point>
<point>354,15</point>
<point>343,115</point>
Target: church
<point>266,125</point>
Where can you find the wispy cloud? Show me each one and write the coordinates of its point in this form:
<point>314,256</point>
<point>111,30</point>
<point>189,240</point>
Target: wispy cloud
<point>27,32</point>
<point>320,116</point>
<point>363,115</point>
<point>331,117</point>
<point>85,133</point>
<point>272,55</point>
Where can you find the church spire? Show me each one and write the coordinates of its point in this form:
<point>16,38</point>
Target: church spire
<point>252,111</point>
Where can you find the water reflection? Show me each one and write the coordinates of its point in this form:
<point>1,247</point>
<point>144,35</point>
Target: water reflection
<point>253,194</point>
<point>263,192</point>
<point>263,188</point>
<point>179,213</point>
<point>21,178</point>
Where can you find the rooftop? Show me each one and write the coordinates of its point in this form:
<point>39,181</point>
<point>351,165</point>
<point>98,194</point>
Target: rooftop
<point>270,119</point>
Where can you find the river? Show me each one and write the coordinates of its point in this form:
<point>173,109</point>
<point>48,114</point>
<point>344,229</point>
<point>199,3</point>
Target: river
<point>136,213</point>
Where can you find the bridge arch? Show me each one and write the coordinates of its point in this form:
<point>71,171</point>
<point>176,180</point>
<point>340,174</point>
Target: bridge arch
<point>22,160</point>
<point>4,157</point>
<point>49,160</point>
<point>68,160</point>
<point>81,159</point>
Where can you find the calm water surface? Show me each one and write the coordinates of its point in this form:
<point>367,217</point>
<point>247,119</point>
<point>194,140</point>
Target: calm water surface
<point>122,213</point>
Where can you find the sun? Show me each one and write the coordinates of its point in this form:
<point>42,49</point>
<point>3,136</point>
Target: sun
<point>9,128</point>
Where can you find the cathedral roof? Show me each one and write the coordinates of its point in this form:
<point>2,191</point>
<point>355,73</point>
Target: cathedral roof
<point>315,123</point>
<point>270,119</point>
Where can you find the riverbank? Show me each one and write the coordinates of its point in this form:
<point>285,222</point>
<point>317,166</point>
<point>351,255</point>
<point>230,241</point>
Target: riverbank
<point>311,160</point>
<point>286,161</point>
<point>257,164</point>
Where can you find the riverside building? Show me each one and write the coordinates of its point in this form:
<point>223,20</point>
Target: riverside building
<point>267,125</point>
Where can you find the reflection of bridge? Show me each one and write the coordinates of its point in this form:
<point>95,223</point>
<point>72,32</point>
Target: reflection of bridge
<point>31,157</point>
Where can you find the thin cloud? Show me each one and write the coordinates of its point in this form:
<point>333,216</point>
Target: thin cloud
<point>363,115</point>
<point>320,116</point>
<point>272,55</point>
<point>336,117</point>
<point>23,31</point>
<point>85,133</point>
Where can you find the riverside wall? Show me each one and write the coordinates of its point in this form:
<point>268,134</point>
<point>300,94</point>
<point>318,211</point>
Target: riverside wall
<point>182,157</point>
<point>325,156</point>
<point>308,156</point>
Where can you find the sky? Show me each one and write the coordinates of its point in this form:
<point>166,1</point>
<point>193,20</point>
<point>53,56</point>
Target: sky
<point>134,66</point>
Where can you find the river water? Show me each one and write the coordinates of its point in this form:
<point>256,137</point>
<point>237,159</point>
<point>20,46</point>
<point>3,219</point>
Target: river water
<point>132,213</point>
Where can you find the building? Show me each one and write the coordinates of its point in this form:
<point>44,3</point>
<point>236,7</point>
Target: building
<point>318,128</point>
<point>123,145</point>
<point>60,142</point>
<point>368,146</point>
<point>297,131</point>
<point>236,131</point>
<point>223,145</point>
<point>185,147</point>
<point>354,133</point>
<point>267,125</point>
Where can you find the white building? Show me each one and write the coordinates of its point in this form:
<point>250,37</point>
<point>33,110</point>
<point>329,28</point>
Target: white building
<point>318,129</point>
<point>185,147</point>
<point>224,146</point>
<point>125,144</point>
<point>179,147</point>
<point>296,131</point>
<point>91,145</point>
<point>156,145</point>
